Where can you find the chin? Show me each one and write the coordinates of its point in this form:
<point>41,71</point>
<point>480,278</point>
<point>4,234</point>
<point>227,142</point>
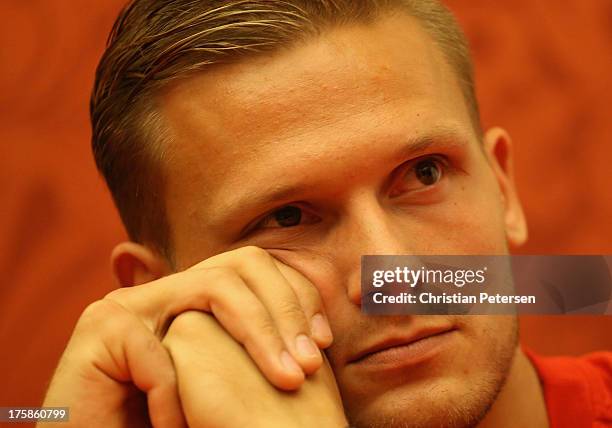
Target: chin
<point>456,389</point>
<point>444,403</point>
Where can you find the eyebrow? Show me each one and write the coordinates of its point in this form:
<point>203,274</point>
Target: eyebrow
<point>442,137</point>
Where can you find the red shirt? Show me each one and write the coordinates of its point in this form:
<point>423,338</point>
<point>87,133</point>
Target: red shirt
<point>577,391</point>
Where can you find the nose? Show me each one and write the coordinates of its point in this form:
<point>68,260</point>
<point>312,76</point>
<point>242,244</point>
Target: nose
<point>370,229</point>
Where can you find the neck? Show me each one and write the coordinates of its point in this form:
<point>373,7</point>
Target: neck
<point>520,403</point>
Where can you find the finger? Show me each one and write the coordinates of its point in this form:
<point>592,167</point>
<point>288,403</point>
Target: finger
<point>226,373</point>
<point>134,353</point>
<point>222,292</point>
<point>248,321</point>
<point>153,372</point>
<point>259,271</point>
<point>159,301</point>
<point>311,302</point>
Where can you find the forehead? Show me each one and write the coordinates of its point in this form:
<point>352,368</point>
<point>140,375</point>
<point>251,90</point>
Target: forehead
<point>327,104</point>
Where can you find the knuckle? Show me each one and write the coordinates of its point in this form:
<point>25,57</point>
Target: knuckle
<point>117,294</point>
<point>103,316</point>
<point>290,310</point>
<point>254,320</point>
<point>100,310</point>
<point>265,328</point>
<point>310,297</point>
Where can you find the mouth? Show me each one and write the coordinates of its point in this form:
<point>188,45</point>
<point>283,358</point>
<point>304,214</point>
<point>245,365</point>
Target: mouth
<point>405,350</point>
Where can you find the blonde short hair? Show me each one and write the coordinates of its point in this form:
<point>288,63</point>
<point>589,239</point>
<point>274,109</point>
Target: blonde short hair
<point>154,42</point>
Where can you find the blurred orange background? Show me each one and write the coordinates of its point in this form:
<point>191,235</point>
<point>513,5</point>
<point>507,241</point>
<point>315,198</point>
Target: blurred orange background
<point>543,73</point>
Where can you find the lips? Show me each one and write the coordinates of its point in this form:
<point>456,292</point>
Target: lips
<point>397,341</point>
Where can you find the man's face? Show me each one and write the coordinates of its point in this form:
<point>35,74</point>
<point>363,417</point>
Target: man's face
<point>357,142</point>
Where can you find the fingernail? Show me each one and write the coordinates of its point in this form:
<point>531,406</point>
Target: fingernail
<point>320,327</point>
<point>289,363</point>
<point>305,346</point>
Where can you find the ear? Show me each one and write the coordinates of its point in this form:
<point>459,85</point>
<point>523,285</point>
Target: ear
<point>135,264</point>
<point>498,148</point>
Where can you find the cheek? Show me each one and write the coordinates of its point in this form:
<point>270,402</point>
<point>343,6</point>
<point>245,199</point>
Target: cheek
<point>469,221</point>
<point>478,228</point>
<point>496,335</point>
<point>455,228</point>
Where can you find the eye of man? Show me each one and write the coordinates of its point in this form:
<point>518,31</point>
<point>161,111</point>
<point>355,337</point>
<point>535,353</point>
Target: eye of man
<point>288,216</point>
<point>427,172</point>
<point>423,173</point>
<point>420,175</point>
